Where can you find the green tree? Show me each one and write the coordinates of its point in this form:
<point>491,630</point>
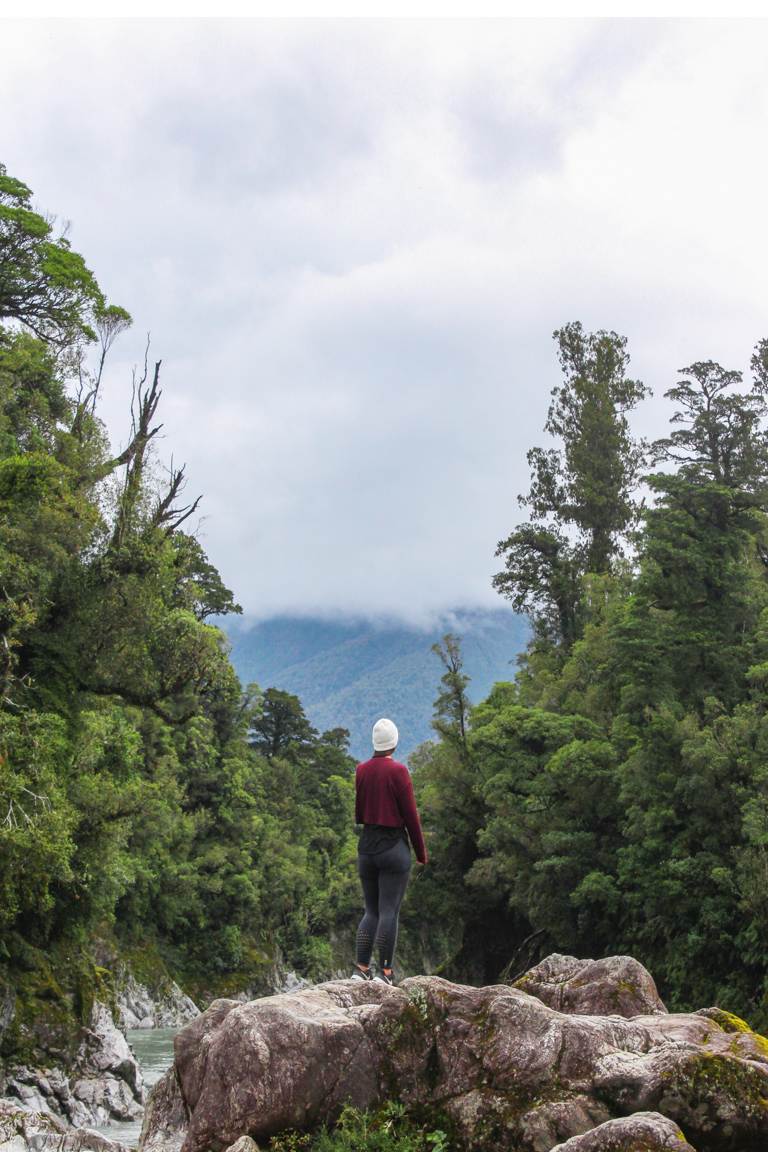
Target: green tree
<point>581,495</point>
<point>451,711</point>
<point>199,586</point>
<point>279,724</point>
<point>542,578</point>
<point>718,433</point>
<point>44,285</point>
<point>589,482</point>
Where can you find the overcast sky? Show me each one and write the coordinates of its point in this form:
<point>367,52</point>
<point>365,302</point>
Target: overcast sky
<point>351,242</point>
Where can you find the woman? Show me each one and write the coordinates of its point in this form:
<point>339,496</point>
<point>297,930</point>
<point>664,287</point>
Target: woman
<point>385,805</point>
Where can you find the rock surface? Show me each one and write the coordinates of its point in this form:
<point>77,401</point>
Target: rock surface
<point>23,1130</point>
<point>105,1083</point>
<point>166,1007</point>
<point>643,1132</point>
<point>244,1144</point>
<point>494,1065</point>
<point>615,986</point>
<point>166,1117</point>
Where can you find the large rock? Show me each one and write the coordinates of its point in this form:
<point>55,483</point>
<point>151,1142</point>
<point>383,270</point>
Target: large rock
<point>615,986</point>
<point>643,1132</point>
<point>24,1130</point>
<point>495,1065</point>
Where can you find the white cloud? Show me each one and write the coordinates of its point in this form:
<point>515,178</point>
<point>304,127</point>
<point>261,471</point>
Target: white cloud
<point>352,242</point>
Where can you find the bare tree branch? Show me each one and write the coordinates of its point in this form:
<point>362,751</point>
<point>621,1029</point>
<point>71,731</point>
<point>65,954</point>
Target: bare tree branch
<point>165,515</point>
<point>144,402</point>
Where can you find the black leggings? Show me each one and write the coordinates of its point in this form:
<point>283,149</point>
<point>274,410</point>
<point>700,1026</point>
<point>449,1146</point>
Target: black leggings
<point>384,877</point>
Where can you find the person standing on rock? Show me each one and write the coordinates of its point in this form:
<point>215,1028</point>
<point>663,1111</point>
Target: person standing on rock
<point>386,807</point>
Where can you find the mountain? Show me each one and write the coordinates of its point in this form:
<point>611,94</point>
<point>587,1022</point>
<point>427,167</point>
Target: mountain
<point>349,673</point>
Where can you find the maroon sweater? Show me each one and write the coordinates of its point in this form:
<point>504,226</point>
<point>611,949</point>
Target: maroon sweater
<point>384,795</point>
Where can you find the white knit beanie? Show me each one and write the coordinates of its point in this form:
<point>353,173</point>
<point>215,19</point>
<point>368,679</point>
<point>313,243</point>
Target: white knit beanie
<point>384,735</point>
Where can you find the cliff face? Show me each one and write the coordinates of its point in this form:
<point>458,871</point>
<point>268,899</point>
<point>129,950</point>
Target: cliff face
<point>93,1079</point>
<point>494,1066</point>
<point>63,1051</point>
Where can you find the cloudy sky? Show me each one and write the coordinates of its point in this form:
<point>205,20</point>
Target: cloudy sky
<point>351,242</point>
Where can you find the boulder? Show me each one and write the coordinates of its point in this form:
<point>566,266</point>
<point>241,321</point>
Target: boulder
<point>615,986</point>
<point>494,1066</point>
<point>643,1132</point>
<point>106,1098</point>
<point>107,1078</point>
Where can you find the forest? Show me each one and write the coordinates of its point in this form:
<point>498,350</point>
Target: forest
<point>612,798</point>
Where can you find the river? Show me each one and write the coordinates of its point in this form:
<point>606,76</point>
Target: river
<point>153,1048</point>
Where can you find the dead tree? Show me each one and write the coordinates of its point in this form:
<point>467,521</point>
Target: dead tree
<point>165,515</point>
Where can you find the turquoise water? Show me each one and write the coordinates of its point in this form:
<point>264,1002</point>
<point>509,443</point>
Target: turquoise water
<point>153,1048</point>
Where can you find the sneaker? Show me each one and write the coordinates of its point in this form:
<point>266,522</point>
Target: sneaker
<point>384,979</point>
<point>359,974</point>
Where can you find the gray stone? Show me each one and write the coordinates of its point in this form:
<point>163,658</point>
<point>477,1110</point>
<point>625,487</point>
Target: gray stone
<point>25,1130</point>
<point>105,1050</point>
<point>105,1082</point>
<point>139,1007</point>
<point>107,1098</point>
<point>544,1125</point>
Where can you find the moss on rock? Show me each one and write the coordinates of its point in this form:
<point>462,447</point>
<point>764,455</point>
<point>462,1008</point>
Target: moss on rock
<point>54,993</point>
<point>734,1025</point>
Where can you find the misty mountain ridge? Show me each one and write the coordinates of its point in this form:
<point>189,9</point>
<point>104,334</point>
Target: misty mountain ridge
<point>348,673</point>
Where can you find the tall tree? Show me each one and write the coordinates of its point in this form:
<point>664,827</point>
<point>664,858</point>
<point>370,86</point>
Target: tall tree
<point>589,481</point>
<point>581,494</point>
<point>451,711</point>
<point>718,432</point>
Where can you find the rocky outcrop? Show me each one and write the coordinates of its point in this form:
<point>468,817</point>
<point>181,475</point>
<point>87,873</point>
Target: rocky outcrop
<point>495,1066</point>
<point>104,1084</point>
<point>24,1130</point>
<point>139,1006</point>
<point>615,986</point>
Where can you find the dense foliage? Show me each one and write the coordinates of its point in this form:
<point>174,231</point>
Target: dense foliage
<point>615,796</point>
<point>139,796</point>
